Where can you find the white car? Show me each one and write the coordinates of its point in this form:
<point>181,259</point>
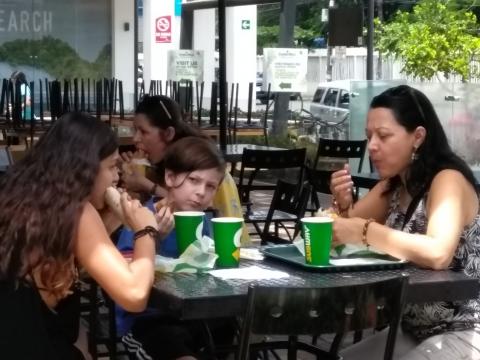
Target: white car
<point>331,101</point>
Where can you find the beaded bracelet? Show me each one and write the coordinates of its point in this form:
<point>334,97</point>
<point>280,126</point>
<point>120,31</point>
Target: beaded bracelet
<point>365,230</point>
<point>150,230</point>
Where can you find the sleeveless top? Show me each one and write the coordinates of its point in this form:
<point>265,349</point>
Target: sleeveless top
<point>31,330</point>
<point>428,319</point>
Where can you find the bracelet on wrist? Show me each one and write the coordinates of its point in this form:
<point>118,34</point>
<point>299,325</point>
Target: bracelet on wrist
<point>147,230</point>
<point>365,230</point>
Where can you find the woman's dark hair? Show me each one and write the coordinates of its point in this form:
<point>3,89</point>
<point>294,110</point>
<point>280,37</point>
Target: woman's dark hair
<point>163,112</point>
<point>42,197</point>
<point>193,153</point>
<point>411,108</point>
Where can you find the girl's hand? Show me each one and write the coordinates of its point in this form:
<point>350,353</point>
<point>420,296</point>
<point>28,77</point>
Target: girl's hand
<point>165,221</point>
<point>341,186</point>
<point>347,231</point>
<point>136,216</point>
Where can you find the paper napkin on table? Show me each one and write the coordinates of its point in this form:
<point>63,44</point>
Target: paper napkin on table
<point>248,273</point>
<point>196,258</point>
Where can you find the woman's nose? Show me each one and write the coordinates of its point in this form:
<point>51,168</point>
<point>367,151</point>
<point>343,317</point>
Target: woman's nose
<point>136,137</point>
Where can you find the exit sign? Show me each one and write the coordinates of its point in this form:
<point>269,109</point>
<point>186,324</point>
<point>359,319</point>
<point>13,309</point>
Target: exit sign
<point>245,24</point>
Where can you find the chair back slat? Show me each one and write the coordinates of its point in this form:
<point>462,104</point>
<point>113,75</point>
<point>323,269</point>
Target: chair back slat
<point>343,149</point>
<point>268,159</point>
<point>307,311</point>
<point>289,199</point>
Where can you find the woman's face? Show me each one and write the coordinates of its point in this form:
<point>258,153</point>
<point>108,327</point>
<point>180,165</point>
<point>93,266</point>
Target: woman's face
<point>151,139</point>
<point>107,176</point>
<point>389,144</point>
<point>192,191</point>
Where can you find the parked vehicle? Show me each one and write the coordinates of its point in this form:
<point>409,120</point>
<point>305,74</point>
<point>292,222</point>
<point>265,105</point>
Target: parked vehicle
<point>331,101</point>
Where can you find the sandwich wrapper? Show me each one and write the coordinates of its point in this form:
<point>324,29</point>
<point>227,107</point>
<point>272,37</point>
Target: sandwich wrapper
<point>198,257</point>
<point>346,250</point>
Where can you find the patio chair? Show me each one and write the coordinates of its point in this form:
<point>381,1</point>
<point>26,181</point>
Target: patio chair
<point>257,160</point>
<point>338,149</point>
<point>306,311</point>
<point>287,205</point>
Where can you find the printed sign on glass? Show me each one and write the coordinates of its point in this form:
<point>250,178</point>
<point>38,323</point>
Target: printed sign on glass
<point>285,69</point>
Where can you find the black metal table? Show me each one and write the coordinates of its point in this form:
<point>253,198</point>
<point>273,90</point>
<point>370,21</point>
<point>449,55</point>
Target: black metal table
<point>203,296</point>
<point>369,180</point>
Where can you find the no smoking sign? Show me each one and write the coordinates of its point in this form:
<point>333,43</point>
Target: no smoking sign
<point>163,29</point>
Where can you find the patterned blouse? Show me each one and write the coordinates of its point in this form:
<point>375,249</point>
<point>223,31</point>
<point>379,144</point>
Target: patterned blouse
<point>425,320</point>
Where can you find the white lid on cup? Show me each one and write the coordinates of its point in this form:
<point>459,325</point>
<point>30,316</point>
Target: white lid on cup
<point>317,219</point>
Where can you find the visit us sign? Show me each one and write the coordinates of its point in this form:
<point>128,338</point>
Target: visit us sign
<point>285,69</point>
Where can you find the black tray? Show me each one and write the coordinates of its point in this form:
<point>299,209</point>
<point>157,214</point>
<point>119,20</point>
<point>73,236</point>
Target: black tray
<point>370,261</point>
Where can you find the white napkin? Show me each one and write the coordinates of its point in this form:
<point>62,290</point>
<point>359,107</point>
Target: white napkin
<point>341,250</point>
<point>196,257</point>
<point>248,273</point>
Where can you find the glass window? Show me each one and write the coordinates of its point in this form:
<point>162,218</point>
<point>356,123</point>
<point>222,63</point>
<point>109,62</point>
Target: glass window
<point>344,101</point>
<point>317,97</point>
<point>331,97</point>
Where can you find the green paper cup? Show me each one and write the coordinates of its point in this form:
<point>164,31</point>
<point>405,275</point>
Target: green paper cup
<point>317,235</point>
<point>188,228</point>
<point>227,232</point>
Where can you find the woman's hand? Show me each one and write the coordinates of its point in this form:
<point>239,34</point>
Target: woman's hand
<point>165,221</point>
<point>132,179</point>
<point>136,216</point>
<point>341,186</point>
<point>347,231</point>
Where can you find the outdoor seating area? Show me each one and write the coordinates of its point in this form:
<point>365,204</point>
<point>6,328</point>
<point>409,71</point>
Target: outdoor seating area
<point>239,180</point>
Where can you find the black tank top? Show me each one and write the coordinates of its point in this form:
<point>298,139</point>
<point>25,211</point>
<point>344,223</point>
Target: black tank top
<point>30,330</point>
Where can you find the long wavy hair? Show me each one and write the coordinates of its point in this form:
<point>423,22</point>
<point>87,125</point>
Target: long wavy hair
<point>42,197</point>
<point>411,108</point>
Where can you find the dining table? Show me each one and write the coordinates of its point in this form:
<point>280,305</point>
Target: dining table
<point>190,296</point>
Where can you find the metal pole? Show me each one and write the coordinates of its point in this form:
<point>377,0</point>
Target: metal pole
<point>285,40</point>
<point>371,6</point>
<point>222,70</point>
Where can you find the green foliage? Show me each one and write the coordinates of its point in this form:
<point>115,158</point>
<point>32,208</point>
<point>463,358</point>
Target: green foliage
<point>436,37</point>
<point>56,57</point>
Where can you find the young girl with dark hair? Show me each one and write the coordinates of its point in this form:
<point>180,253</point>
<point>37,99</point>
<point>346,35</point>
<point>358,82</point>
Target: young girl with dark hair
<point>425,209</point>
<point>50,226</point>
<point>194,169</point>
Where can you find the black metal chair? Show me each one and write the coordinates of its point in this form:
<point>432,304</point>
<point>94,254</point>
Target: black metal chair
<point>319,180</point>
<point>339,149</point>
<point>287,203</point>
<point>307,311</point>
<point>257,160</point>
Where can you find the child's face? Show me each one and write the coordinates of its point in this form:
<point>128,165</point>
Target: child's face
<point>192,191</point>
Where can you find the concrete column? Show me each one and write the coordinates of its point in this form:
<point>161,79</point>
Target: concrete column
<point>204,39</point>
<point>155,52</point>
<point>241,39</point>
<point>123,55</point>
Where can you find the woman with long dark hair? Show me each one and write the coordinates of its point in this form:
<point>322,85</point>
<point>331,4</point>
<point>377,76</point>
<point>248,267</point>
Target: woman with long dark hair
<point>50,226</point>
<point>425,209</point>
